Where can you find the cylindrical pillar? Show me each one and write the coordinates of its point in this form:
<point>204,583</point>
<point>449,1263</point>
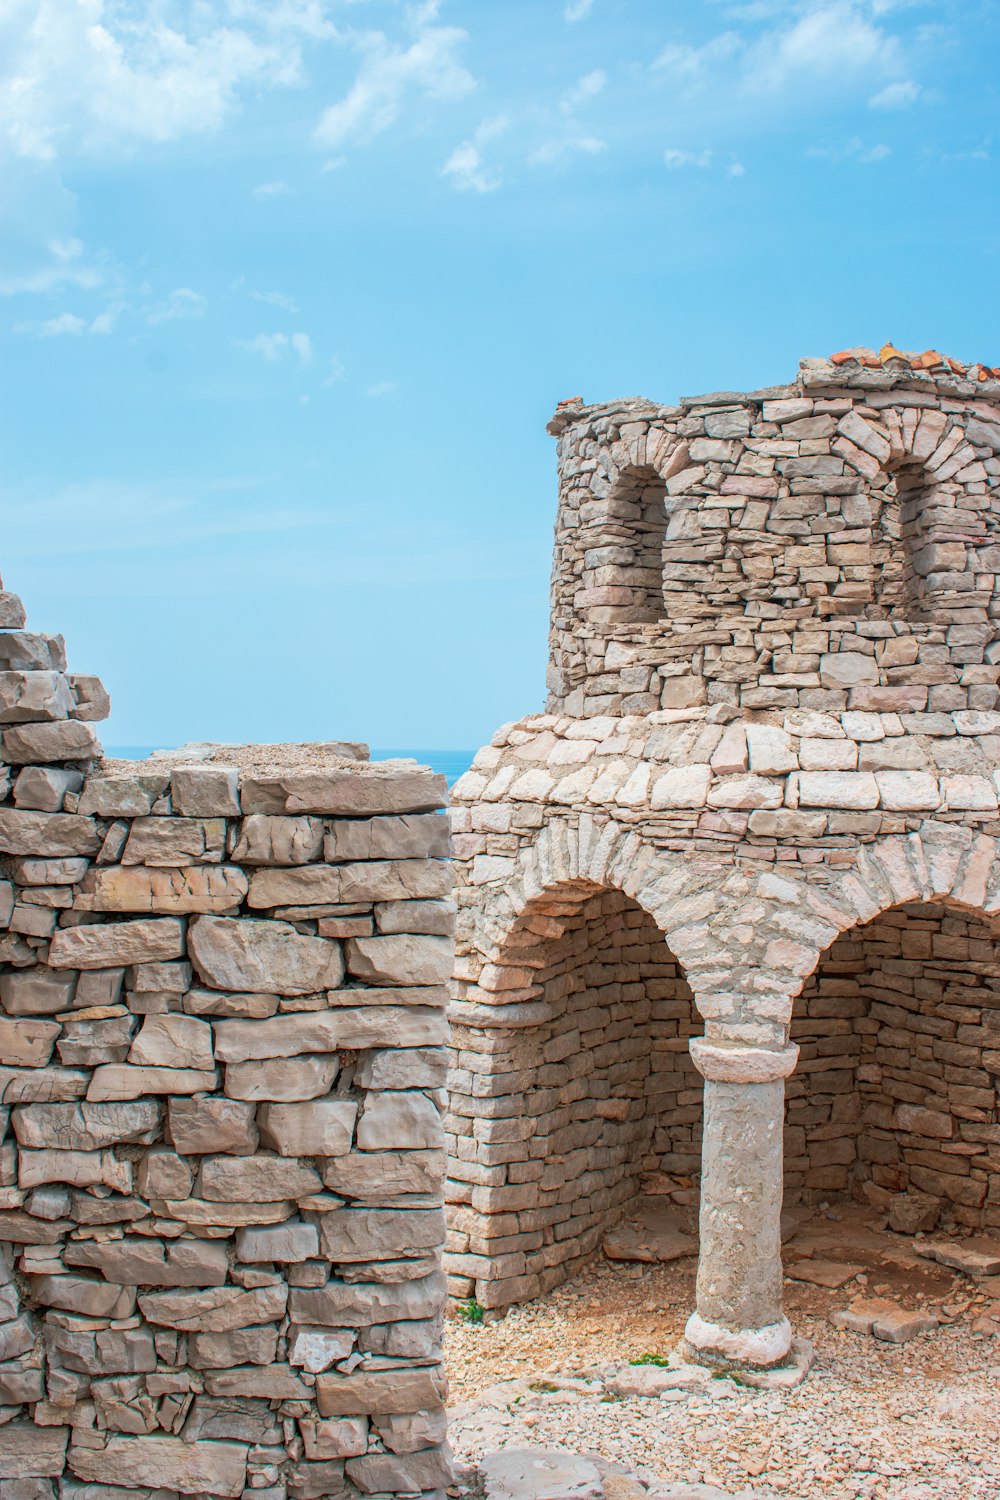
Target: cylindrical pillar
<point>740,1317</point>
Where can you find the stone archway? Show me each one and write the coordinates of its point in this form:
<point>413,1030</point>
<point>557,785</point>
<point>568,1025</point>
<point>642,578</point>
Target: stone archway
<point>560,1124</point>
<point>896,1088</point>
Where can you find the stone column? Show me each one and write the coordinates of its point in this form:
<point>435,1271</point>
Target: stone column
<point>740,1317</point>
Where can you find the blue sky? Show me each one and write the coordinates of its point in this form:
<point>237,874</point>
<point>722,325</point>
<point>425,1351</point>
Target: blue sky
<point>288,291</point>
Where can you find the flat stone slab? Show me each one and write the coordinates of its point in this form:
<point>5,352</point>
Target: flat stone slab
<point>651,1233</point>
<point>860,1317</point>
<point>539,1474</point>
<point>901,1326</point>
<point>829,1273</point>
<point>653,1380</point>
<point>974,1257</point>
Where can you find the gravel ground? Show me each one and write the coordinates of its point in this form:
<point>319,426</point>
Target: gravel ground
<point>918,1421</point>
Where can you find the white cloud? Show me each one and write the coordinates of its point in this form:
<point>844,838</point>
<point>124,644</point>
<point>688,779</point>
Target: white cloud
<point>277,346</point>
<point>854,149</point>
<point>675,158</point>
<point>388,75</point>
<point>66,322</point>
<point>99,75</point>
<point>587,87</point>
<point>265,190</point>
<point>336,373</point>
<point>896,96</point>
<point>182,303</point>
<point>550,151</point>
<point>276,299</point>
<point>465,166</point>
<point>381,388</point>
<point>576,9</point>
<point>736,169</point>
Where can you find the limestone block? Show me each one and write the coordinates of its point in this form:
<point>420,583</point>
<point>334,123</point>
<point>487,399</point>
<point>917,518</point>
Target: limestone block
<point>241,1346</point>
<point>746,791</point>
<point>343,1438</point>
<point>45,787</point>
<point>411,1433</point>
<point>173,1041</point>
<point>27,1044</point>
<point>403,1068</point>
<point>195,888</point>
<point>122,795</point>
<point>84,1295</point>
<point>37,744</point>
<point>267,840</point>
<point>120,1081</point>
<point>682,786</point>
<point>847,669</point>
<point>101,1351</point>
<point>351,1028</point>
<point>292,1242</point>
<point>51,835</point>
<point>202,791</point>
<point>391,1391</point>
<point>109,944</point>
<point>359,1304</point>
<point>28,697</point>
<point>12,615</point>
<point>316,1349</point>
<point>175,841</point>
<point>31,1085</point>
<point>968,794</point>
<point>417,836</point>
<point>322,1127</point>
<point>28,1451</point>
<point>771,750</point>
<point>838,789</point>
<point>36,992</point>
<point>276,1383</point>
<point>385,1175</point>
<point>234,1417</point>
<point>81,1168</point>
<point>404,958</point>
<point>86,1127</point>
<point>200,1126</point>
<point>163,1174</point>
<point>731,756</point>
<point>149,1262</point>
<point>399,1121</point>
<point>349,1234</point>
<point>408,1472</point>
<point>48,871</point>
<point>360,792</point>
<point>540,1474</point>
<point>233,953</point>
<point>92,700</point>
<point>433,917</point>
<point>377,880</point>
<point>165,1462</point>
<point>217,1003</point>
<point>282,1080</point>
<point>17,1337</point>
<point>255,1179</point>
<point>908,791</point>
<point>828,755</point>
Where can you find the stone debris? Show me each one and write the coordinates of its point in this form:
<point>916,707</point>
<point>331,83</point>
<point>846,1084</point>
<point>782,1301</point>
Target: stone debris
<point>975,1258</point>
<point>186,1307</point>
<point>829,1273</point>
<point>653,1233</point>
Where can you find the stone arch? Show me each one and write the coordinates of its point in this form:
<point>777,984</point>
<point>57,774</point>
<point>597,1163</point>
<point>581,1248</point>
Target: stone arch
<point>914,462</point>
<point>624,530</point>
<point>574,1098</point>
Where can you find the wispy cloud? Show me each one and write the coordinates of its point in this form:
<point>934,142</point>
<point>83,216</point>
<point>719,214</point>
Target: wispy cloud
<point>575,10</point>
<point>854,149</point>
<point>273,347</point>
<point>276,299</point>
<point>465,166</point>
<point>585,88</point>
<point>389,75</point>
<point>182,303</point>
<point>265,190</point>
<point>380,388</point>
<point>673,157</point>
<point>896,96</point>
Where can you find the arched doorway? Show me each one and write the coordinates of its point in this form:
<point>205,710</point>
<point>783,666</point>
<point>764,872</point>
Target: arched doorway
<point>561,1121</point>
<point>896,1088</point>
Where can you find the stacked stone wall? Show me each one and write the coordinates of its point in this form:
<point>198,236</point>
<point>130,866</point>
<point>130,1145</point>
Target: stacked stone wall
<point>222,1062</point>
<point>891,1093</point>
<point>554,1129</point>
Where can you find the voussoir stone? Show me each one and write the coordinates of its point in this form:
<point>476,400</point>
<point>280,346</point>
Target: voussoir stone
<point>233,953</point>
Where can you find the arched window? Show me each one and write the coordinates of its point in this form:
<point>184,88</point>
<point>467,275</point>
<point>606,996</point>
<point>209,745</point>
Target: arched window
<point>622,581</point>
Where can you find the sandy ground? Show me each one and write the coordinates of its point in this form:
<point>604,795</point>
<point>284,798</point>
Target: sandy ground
<point>917,1421</point>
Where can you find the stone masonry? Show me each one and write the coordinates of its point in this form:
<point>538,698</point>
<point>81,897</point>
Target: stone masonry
<point>222,1028</point>
<point>751,850</point>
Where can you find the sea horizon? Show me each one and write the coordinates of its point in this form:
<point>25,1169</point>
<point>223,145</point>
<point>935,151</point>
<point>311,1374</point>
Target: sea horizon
<point>450,763</point>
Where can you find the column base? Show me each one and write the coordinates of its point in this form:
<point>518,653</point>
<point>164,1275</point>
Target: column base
<point>744,1348</point>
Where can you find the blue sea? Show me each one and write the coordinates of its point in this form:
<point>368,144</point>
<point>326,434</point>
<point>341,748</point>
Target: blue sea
<point>453,763</point>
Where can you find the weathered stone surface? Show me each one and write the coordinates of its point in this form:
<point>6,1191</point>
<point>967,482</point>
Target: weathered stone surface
<point>30,1085</point>
<point>167,1463</point>
<point>36,744</point>
<point>108,944</point>
<point>388,880</point>
<point>201,791</point>
<point>350,1028</point>
<point>36,991</point>
<point>412,836</point>
<point>240,1346</point>
<point>124,794</point>
<point>85,1295</point>
<point>283,1080</point>
<point>27,1044</point>
<point>384,1174</point>
<point>173,1041</point>
<point>81,1168</point>
<point>375,1234</point>
<point>145,1262</point>
<point>56,835</point>
<point>86,1127</point>
<point>192,888</point>
<point>201,1126</point>
<point>342,1304</point>
<point>396,1391</point>
<point>323,1127</point>
<point>405,958</point>
<point>28,1451</point>
<point>349,793</point>
<point>291,1242</point>
<point>120,1081</point>
<point>539,1474</point>
<point>409,1472</point>
<point>343,1438</point>
<point>404,1068</point>
<point>399,1121</point>
<point>257,955</point>
<point>266,840</point>
<point>251,1179</point>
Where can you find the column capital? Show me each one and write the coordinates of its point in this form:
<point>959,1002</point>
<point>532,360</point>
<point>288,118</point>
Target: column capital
<point>730,1062</point>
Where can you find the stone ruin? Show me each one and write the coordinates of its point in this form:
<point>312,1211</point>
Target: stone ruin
<point>222,1018</point>
<point>751,851</point>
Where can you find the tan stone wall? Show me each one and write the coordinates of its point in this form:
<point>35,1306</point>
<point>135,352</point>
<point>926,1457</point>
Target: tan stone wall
<point>554,1129</point>
<point>891,1092</point>
<point>222,1018</point>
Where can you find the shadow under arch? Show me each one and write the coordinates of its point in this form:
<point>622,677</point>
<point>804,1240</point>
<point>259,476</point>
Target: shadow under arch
<point>897,1086</point>
<point>557,1126</point>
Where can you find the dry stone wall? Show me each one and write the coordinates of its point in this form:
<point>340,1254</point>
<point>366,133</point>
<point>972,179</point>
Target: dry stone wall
<point>222,1027</point>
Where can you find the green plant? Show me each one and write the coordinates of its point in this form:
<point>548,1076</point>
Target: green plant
<point>651,1359</point>
<point>471,1311</point>
<point>542,1387</point>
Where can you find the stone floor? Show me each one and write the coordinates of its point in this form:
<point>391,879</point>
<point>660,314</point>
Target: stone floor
<point>916,1420</point>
